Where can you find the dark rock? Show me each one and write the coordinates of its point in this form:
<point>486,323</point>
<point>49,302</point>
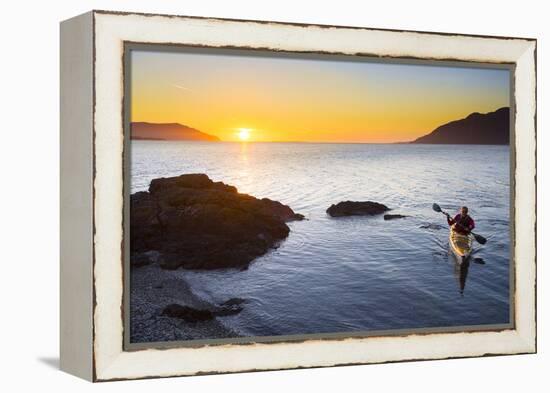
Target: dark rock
<point>236,301</point>
<point>138,260</point>
<point>187,313</point>
<point>192,314</point>
<point>393,216</point>
<point>230,307</point>
<point>145,258</point>
<point>224,311</point>
<point>351,208</point>
<point>196,223</point>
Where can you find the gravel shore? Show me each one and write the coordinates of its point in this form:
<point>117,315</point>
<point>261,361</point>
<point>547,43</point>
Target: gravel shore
<point>151,290</point>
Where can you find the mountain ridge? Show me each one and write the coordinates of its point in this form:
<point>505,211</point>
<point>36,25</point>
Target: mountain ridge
<point>168,132</point>
<point>492,128</point>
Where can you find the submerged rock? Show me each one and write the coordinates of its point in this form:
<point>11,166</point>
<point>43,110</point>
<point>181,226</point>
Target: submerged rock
<point>352,208</point>
<point>191,314</point>
<point>393,216</point>
<point>187,313</point>
<point>230,307</point>
<point>233,302</point>
<point>193,222</point>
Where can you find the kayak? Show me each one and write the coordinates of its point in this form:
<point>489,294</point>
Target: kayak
<point>461,245</point>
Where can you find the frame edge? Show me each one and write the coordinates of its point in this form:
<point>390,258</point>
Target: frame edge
<point>113,369</point>
<point>76,196</point>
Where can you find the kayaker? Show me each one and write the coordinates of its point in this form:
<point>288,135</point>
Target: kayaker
<point>462,222</point>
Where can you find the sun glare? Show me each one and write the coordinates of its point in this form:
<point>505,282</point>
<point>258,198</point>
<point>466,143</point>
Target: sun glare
<point>244,134</point>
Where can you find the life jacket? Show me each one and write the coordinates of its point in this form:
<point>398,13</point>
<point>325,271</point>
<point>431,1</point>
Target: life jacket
<point>464,222</point>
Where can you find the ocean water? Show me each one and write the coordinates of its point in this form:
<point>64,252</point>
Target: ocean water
<point>355,274</point>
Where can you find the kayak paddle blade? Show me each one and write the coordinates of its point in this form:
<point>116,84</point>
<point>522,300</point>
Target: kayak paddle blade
<point>436,208</point>
<point>480,239</point>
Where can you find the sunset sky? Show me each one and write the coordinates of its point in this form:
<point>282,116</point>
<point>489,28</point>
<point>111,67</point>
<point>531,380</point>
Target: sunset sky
<point>293,99</point>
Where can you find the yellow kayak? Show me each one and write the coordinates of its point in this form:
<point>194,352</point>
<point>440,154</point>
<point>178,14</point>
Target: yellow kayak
<point>461,245</point>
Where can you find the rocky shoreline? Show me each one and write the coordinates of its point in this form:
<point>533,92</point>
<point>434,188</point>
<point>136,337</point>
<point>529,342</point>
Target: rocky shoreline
<point>153,290</point>
<point>192,222</point>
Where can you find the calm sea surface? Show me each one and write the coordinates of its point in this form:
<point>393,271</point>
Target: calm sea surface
<point>355,273</point>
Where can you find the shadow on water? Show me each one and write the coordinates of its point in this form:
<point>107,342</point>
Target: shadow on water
<point>442,253</point>
<point>432,226</point>
<point>461,269</point>
<point>479,261</point>
<point>461,273</point>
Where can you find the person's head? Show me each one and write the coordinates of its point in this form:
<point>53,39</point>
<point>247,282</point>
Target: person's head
<point>464,211</point>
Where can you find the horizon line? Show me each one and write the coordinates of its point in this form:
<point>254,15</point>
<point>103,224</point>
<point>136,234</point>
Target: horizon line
<point>320,142</point>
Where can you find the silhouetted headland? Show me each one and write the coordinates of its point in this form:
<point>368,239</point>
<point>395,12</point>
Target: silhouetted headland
<point>491,128</point>
<point>168,132</point>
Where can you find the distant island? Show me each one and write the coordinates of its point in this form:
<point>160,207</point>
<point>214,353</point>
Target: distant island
<point>491,128</point>
<point>168,132</point>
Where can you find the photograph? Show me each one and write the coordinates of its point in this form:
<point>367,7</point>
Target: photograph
<point>284,195</point>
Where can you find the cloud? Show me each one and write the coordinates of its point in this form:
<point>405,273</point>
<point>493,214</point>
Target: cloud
<point>182,87</point>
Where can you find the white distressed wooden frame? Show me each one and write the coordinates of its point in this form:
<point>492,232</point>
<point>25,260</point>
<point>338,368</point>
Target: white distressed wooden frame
<point>92,194</point>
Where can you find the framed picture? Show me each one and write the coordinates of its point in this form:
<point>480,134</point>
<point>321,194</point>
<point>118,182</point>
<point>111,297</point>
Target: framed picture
<point>247,195</point>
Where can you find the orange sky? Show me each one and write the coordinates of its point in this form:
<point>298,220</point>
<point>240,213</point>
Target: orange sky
<point>293,99</point>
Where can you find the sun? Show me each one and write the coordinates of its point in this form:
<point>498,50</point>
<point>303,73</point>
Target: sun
<point>244,134</point>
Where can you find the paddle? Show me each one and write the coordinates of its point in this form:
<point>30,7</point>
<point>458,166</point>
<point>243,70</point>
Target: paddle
<point>480,239</point>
